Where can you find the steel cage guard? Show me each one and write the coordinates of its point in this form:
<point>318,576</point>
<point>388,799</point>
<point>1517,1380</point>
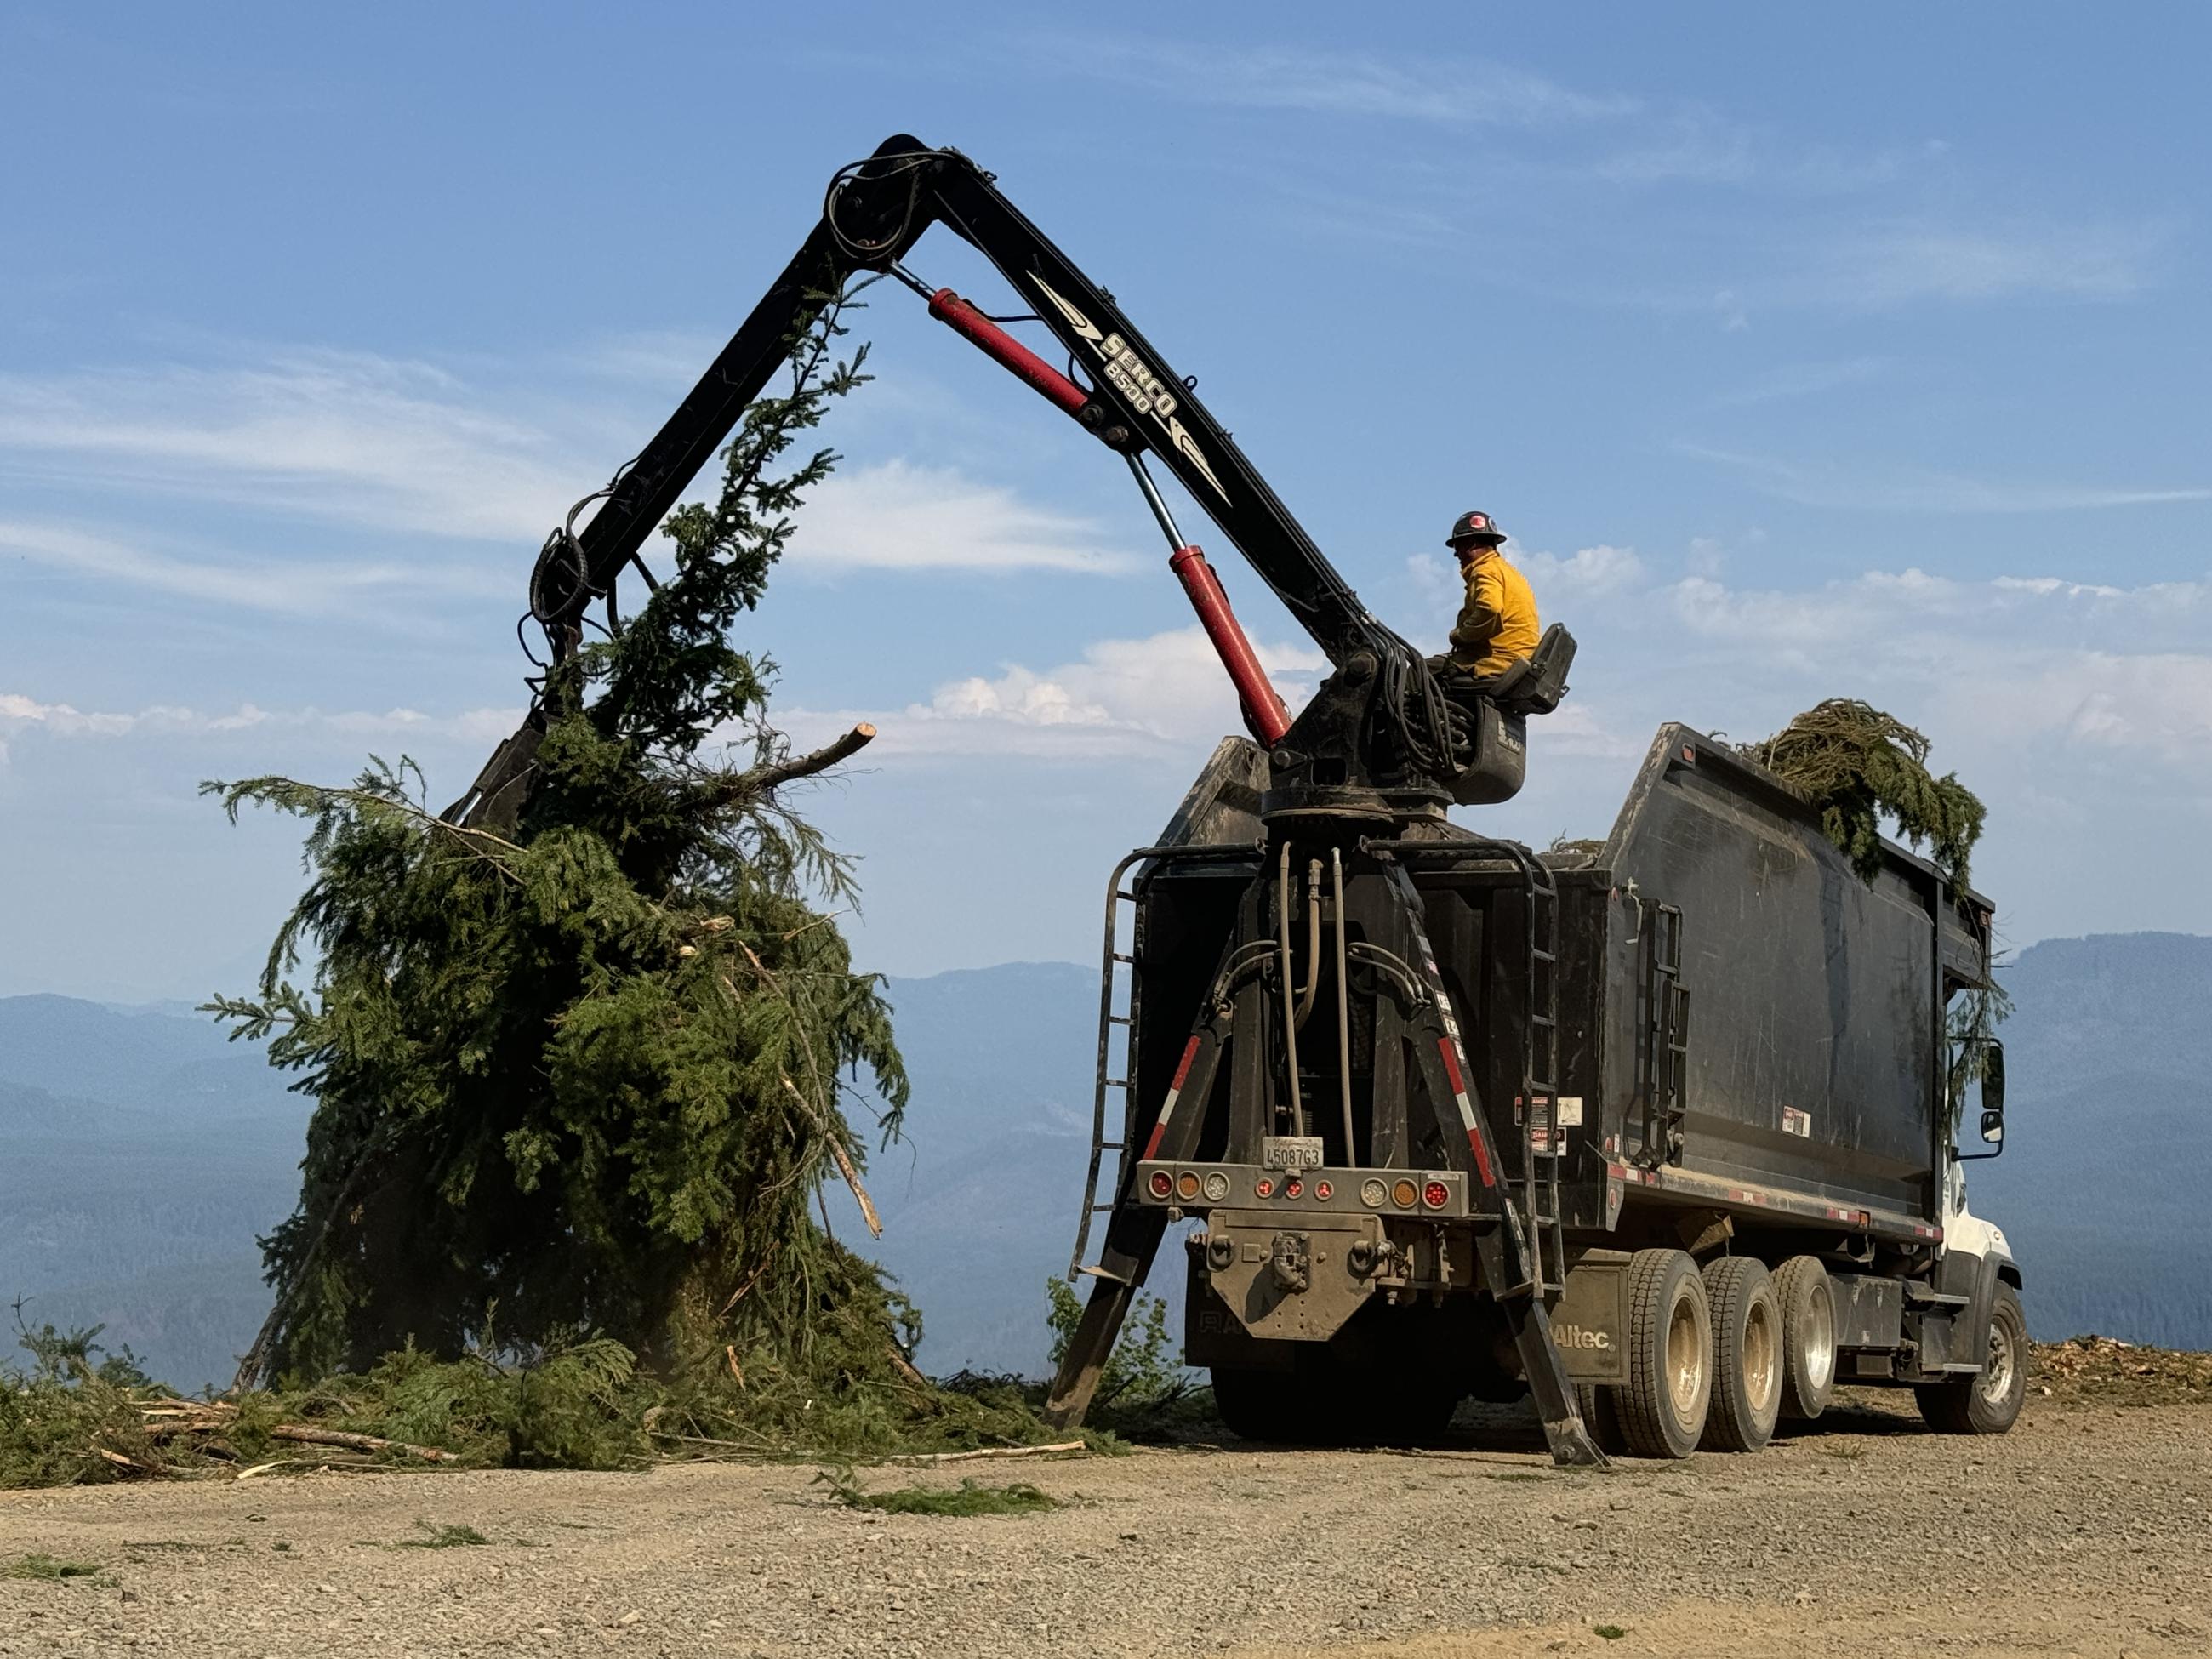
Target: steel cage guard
<point>1166,1133</point>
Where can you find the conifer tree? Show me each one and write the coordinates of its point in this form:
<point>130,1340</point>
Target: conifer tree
<point>588,1076</point>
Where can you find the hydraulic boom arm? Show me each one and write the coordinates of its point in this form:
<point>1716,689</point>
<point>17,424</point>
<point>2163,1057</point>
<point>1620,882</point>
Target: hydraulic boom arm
<point>874,213</point>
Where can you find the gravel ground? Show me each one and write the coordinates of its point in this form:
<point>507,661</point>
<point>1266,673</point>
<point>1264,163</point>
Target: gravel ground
<point>2088,1530</point>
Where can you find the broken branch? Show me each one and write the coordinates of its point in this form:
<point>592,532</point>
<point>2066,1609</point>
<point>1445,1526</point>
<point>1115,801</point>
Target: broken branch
<point>762,779</point>
<point>933,1459</point>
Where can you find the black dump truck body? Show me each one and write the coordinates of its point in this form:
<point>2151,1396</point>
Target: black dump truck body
<point>1745,1021</point>
<point>1707,1038</point>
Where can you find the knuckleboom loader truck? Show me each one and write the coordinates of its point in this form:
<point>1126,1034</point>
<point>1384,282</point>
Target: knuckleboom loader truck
<point>1714,1059</point>
<point>1438,1103</point>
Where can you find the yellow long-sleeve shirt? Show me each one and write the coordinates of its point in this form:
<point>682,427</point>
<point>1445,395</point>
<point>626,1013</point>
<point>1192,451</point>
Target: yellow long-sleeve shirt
<point>1497,625</point>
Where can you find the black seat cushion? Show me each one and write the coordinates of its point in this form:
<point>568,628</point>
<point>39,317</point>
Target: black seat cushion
<point>1535,684</point>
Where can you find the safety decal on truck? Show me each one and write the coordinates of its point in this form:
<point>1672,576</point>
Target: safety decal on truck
<point>1548,1137</point>
<point>1137,380</point>
<point>1795,1123</point>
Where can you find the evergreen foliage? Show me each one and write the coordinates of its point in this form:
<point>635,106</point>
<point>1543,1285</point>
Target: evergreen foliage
<point>969,1497</point>
<point>589,1077</point>
<point>1857,763</point>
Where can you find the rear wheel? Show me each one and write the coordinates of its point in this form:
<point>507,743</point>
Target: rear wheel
<point>1664,1402</point>
<point>1808,1304</point>
<point>1988,1403</point>
<point>1746,1355</point>
<point>1600,1407</point>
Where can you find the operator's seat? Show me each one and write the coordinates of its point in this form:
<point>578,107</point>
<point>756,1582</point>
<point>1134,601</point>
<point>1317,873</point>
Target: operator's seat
<point>1499,719</point>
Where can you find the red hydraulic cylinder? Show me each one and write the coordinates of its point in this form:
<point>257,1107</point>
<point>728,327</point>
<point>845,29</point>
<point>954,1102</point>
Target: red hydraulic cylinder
<point>963,318</point>
<point>1264,711</point>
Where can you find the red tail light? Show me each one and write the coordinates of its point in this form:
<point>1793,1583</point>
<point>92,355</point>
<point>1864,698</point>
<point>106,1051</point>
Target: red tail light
<point>1436,1194</point>
<point>1162,1183</point>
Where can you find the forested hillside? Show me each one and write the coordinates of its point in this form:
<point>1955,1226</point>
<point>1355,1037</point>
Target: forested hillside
<point>2101,1187</point>
<point>140,1156</point>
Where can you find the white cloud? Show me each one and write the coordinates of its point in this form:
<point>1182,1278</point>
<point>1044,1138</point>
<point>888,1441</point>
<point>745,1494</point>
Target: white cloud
<point>1902,489</point>
<point>1459,92</point>
<point>1435,581</point>
<point>1161,697</point>
<point>306,587</point>
<point>395,445</point>
<point>1593,571</point>
<point>898,516</point>
<point>21,713</point>
<point>2014,663</point>
<point>408,448</point>
<point>1884,264</point>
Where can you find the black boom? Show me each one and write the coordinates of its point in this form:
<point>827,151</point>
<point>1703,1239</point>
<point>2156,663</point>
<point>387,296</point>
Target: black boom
<point>1386,725</point>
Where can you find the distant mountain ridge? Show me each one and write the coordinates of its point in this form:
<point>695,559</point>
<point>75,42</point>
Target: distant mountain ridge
<point>141,1155</point>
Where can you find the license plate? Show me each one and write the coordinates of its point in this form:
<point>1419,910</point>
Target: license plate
<point>1291,1152</point>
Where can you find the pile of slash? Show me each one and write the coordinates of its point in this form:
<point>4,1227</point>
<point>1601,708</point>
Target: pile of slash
<point>2105,1371</point>
<point>201,1429</point>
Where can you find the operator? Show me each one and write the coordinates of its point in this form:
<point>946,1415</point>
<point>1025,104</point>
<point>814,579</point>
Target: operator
<point>1497,625</point>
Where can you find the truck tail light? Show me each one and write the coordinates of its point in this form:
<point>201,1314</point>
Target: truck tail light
<point>1162,1183</point>
<point>1436,1194</point>
<point>1187,1186</point>
<point>1403,1194</point>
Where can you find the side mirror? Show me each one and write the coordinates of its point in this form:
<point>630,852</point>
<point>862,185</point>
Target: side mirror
<point>1987,1065</point>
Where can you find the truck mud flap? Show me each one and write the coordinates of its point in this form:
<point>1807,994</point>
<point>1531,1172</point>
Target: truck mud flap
<point>1589,1322</point>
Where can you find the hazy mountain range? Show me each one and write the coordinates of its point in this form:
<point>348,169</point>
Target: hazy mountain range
<point>140,1155</point>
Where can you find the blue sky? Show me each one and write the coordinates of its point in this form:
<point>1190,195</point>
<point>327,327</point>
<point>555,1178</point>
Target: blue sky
<point>1861,353</point>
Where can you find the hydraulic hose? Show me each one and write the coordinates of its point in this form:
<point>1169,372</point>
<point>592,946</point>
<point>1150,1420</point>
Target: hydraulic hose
<point>1307,992</point>
<point>1343,1007</point>
<point>1290,1004</point>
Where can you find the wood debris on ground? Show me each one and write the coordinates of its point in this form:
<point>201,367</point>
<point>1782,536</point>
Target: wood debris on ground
<point>2108,1372</point>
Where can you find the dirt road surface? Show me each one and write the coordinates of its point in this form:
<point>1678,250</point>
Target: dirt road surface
<point>2088,1530</point>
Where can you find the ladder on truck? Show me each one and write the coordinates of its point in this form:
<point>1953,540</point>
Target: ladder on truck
<point>1120,1003</point>
<point>1543,1138</point>
<point>1114,1011</point>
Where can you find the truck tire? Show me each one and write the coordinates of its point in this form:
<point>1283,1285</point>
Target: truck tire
<point>1598,1404</point>
<point>1746,1355</point>
<point>1669,1391</point>
<point>1807,1302</point>
<point>1988,1403</point>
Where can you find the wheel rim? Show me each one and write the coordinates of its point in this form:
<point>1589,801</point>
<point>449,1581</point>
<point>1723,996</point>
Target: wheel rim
<point>1817,1339</point>
<point>1686,1358</point>
<point>1997,1375</point>
<point>1761,1374</point>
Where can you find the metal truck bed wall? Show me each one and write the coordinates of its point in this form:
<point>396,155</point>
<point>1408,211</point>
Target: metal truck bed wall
<point>1809,1017</point>
<point>1815,1061</point>
<point>1811,1074</point>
